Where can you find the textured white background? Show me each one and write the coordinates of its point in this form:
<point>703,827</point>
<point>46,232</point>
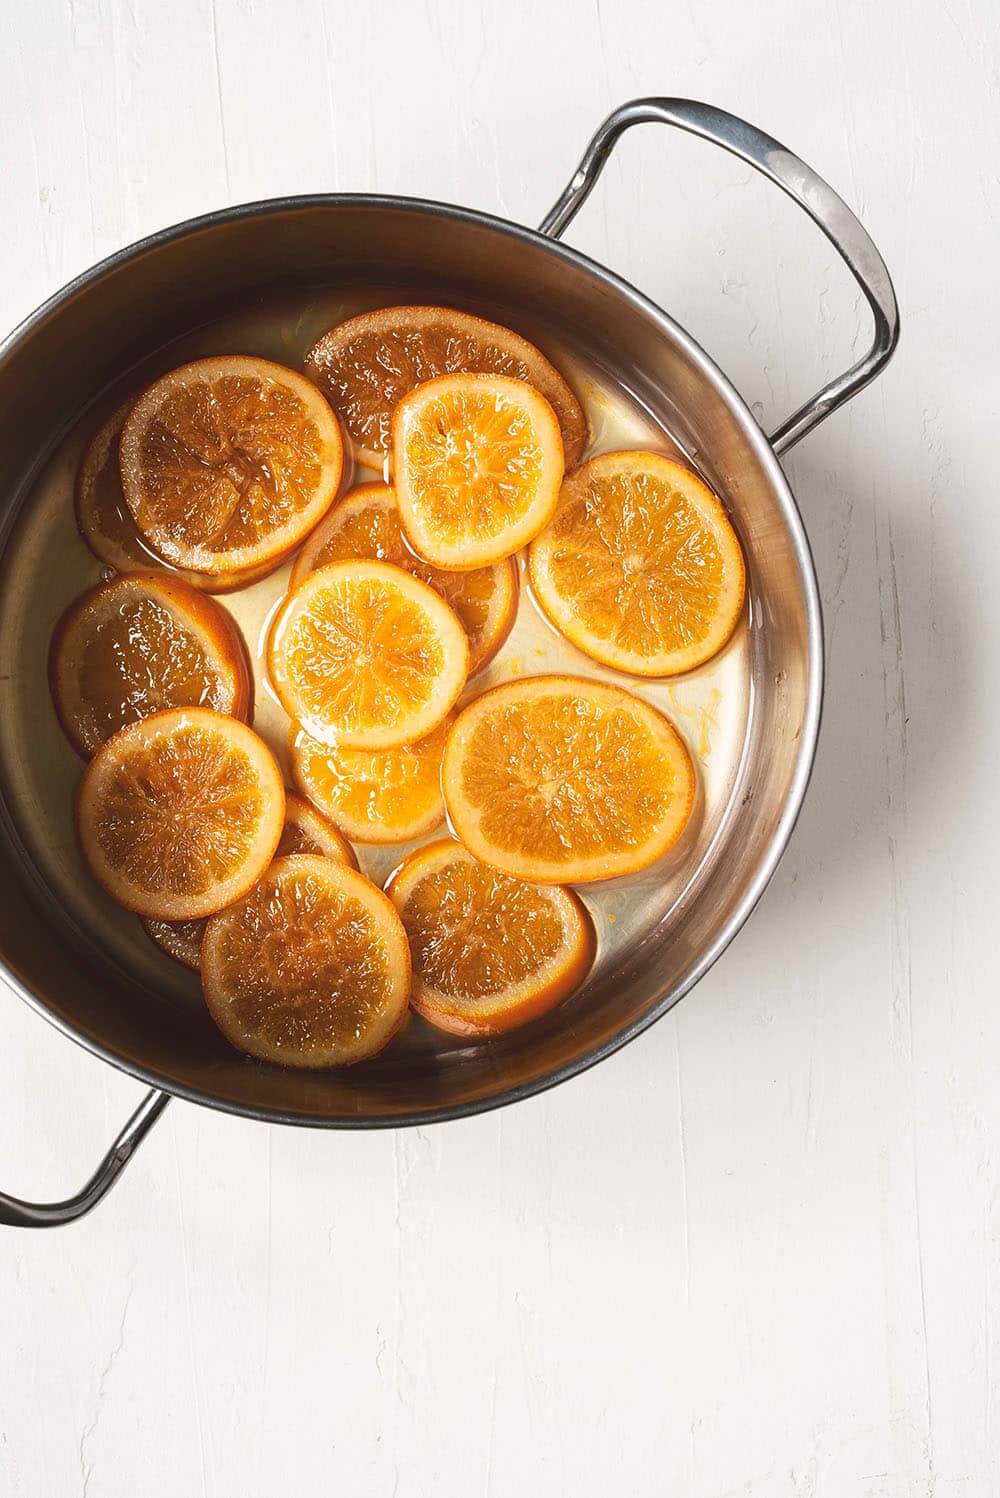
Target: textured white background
<point>757,1252</point>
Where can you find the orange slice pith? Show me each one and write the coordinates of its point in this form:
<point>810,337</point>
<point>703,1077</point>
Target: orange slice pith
<point>365,524</point>
<point>365,655</point>
<point>477,462</point>
<point>564,780</point>
<point>489,952</point>
<point>306,830</point>
<point>228,462</point>
<point>310,969</point>
<point>138,644</point>
<point>365,366</point>
<point>374,795</point>
<point>640,567</point>
<point>105,522</point>
<point>180,813</point>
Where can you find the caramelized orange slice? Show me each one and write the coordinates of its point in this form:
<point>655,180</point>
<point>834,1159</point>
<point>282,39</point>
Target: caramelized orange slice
<point>366,365</point>
<point>306,830</point>
<point>640,566</point>
<point>138,644</point>
<point>374,795</point>
<point>478,461</point>
<point>105,521</point>
<point>489,952</point>
<point>180,813</point>
<point>227,463</point>
<point>565,780</point>
<point>102,516</point>
<point>365,524</point>
<point>181,940</point>
<point>365,655</point>
<point>310,969</point>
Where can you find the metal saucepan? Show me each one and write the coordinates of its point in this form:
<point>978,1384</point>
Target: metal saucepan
<point>112,317</point>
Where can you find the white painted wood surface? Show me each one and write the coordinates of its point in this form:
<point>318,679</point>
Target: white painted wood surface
<point>757,1252</point>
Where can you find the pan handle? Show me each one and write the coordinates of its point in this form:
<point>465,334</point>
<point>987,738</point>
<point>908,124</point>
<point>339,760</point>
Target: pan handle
<point>830,212</point>
<point>19,1214</point>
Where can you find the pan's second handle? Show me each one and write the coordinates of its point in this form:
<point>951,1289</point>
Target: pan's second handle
<point>19,1214</point>
<point>839,224</point>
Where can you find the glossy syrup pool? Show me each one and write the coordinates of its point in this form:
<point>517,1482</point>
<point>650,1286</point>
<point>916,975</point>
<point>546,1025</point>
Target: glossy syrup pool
<point>46,564</point>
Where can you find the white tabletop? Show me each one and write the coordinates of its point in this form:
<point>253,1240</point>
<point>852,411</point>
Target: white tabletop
<point>755,1253</point>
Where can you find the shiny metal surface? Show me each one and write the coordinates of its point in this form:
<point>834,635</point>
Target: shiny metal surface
<point>21,1214</point>
<point>117,313</point>
<point>825,207</point>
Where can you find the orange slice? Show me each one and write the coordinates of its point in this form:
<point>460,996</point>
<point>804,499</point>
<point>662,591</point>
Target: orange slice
<point>180,813</point>
<point>227,463</point>
<point>565,780</point>
<point>102,516</point>
<point>478,461</point>
<point>138,644</point>
<point>640,567</point>
<point>105,521</point>
<point>489,952</point>
<point>305,831</point>
<point>365,524</point>
<point>366,365</point>
<point>181,940</point>
<point>374,795</point>
<point>310,969</point>
<point>365,655</point>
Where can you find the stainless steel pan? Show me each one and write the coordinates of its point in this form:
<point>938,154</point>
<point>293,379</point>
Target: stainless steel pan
<point>102,323</point>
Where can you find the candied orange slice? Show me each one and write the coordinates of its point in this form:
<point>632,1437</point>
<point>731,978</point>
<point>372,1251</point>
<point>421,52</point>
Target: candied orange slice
<point>640,567</point>
<point>310,969</point>
<point>306,830</point>
<point>138,644</point>
<point>565,780</point>
<point>365,655</point>
<point>227,463</point>
<point>365,524</point>
<point>478,461</point>
<point>374,795</point>
<point>180,813</point>
<point>105,521</point>
<point>102,516</point>
<point>181,940</point>
<point>365,366</point>
<point>489,952</point>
